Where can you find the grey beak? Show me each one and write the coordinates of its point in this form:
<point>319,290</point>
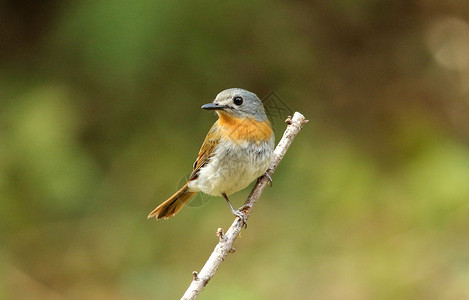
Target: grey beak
<point>213,106</point>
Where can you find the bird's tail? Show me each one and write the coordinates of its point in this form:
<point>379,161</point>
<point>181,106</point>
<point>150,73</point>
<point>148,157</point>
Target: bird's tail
<point>171,206</point>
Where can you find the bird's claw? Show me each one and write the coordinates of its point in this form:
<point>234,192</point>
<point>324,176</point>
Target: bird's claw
<point>269,178</point>
<point>242,216</point>
<point>239,213</point>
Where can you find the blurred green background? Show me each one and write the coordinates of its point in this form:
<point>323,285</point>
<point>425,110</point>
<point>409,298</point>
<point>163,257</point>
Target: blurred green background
<point>100,120</point>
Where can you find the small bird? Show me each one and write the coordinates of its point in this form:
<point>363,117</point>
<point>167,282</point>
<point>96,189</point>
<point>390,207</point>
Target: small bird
<point>235,152</point>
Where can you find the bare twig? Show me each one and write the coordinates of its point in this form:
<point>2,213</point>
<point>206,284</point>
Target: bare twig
<point>225,244</point>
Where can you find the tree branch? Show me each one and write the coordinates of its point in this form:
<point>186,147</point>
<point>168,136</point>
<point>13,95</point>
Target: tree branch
<point>225,244</point>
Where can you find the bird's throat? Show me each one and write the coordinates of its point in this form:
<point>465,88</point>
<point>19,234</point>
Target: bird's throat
<point>241,130</point>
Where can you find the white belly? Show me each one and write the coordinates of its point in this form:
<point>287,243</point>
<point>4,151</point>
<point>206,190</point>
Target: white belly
<point>232,168</point>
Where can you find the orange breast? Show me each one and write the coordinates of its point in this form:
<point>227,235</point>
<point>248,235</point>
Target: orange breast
<point>245,129</point>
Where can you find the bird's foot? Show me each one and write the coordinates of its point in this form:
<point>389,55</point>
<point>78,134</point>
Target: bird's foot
<point>266,174</point>
<point>239,213</point>
<point>242,216</point>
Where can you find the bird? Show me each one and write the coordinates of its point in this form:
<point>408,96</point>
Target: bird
<point>236,151</point>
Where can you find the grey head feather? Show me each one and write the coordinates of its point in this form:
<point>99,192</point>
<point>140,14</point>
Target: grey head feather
<point>251,105</point>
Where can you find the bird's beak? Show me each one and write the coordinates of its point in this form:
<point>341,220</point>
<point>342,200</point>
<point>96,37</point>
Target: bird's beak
<point>213,106</point>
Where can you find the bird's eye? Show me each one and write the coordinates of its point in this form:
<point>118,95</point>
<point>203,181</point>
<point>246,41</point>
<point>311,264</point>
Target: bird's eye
<point>238,100</point>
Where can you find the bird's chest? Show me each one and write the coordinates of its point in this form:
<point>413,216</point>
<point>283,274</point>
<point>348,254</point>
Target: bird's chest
<point>241,155</point>
<point>234,166</point>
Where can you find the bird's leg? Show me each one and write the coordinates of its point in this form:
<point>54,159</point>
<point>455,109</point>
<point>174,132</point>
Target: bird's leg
<point>237,213</point>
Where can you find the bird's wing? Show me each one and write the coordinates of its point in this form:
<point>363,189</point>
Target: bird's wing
<point>206,151</point>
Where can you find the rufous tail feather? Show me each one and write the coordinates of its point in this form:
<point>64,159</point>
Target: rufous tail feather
<point>171,206</point>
